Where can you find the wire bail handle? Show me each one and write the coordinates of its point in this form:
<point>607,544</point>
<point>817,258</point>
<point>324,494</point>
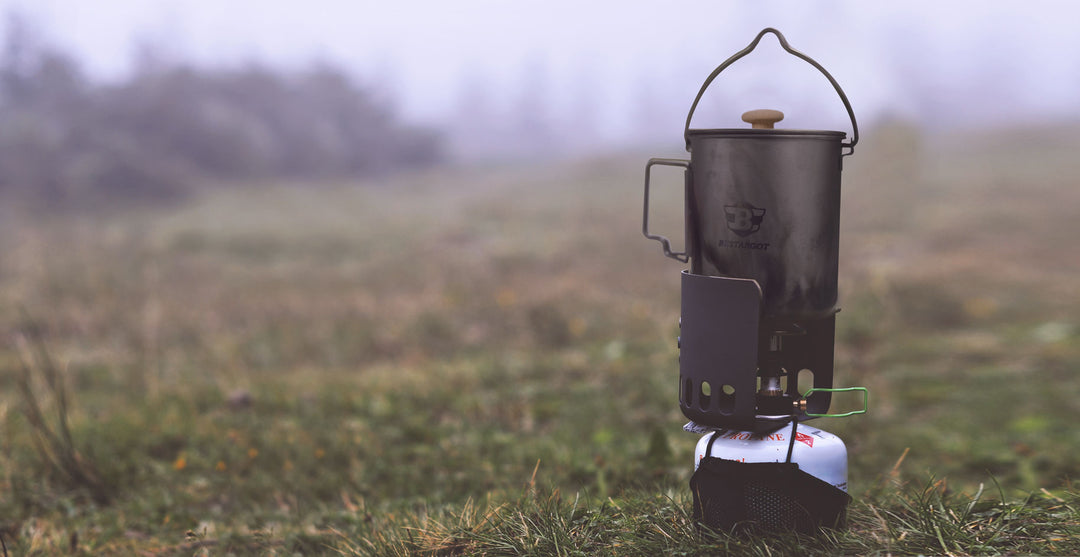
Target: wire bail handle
<point>783,42</point>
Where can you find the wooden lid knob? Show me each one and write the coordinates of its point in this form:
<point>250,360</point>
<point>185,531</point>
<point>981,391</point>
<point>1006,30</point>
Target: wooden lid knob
<point>762,118</point>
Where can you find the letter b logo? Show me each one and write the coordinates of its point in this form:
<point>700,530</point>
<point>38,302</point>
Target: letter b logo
<point>744,219</point>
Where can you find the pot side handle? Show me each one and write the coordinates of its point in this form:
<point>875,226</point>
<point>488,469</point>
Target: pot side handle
<point>664,242</point>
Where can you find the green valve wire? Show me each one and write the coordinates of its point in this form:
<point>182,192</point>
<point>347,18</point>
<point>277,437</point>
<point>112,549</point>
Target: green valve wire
<point>865,400</point>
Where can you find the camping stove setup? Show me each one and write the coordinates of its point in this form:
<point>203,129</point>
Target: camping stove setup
<point>762,221</point>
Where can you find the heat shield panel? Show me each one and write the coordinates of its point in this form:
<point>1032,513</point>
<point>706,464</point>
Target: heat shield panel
<point>718,350</point>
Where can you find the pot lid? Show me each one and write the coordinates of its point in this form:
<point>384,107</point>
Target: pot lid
<point>762,121</point>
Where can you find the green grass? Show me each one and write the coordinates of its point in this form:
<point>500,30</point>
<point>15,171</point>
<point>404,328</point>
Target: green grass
<point>483,362</point>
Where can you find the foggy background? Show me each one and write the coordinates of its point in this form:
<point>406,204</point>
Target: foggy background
<point>339,275</point>
<point>362,87</point>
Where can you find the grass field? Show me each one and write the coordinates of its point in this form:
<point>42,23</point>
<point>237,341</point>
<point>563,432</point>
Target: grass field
<point>482,361</point>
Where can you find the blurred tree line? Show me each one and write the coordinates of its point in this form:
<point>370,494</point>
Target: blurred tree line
<point>65,139</point>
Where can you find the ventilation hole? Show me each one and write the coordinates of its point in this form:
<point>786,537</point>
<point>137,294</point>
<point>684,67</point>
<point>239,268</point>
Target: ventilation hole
<point>726,399</point>
<point>705,399</point>
<point>687,396</point>
<point>804,381</point>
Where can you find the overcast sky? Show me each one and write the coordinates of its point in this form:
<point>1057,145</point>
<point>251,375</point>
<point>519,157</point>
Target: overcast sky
<point>962,63</point>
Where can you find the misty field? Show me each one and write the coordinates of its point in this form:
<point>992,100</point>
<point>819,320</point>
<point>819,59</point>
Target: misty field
<point>483,361</point>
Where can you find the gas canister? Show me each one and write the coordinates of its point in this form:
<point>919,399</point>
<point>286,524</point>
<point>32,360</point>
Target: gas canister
<point>816,451</point>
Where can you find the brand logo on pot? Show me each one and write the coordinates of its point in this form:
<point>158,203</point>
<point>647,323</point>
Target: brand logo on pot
<point>744,219</point>
<point>804,438</point>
